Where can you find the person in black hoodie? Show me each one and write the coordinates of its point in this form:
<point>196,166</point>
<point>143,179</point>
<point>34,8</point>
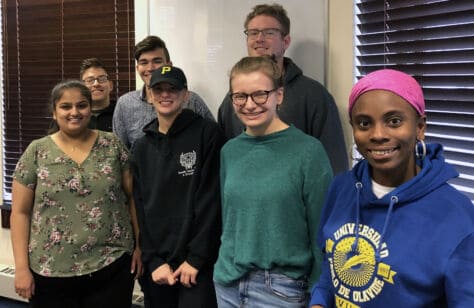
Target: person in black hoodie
<point>307,104</point>
<point>176,190</point>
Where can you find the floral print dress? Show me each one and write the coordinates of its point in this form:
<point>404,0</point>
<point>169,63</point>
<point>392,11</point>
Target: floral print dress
<point>80,220</point>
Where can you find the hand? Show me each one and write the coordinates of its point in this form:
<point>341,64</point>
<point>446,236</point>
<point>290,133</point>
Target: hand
<point>187,274</point>
<point>24,283</point>
<point>163,275</point>
<point>137,266</point>
<point>317,306</point>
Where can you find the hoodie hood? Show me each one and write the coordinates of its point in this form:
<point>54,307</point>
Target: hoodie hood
<point>184,119</point>
<point>163,141</point>
<point>292,71</point>
<point>434,173</point>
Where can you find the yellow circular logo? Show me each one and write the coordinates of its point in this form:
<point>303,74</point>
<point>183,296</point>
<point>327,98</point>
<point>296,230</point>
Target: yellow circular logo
<point>354,268</point>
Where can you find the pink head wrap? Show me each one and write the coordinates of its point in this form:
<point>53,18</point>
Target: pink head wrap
<point>394,81</point>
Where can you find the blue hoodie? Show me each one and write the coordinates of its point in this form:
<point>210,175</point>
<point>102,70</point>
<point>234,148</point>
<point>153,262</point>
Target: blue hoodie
<point>414,247</point>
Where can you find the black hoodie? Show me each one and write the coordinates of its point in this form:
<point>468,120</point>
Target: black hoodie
<point>176,190</point>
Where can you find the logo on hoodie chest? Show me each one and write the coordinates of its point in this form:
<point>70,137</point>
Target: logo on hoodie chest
<point>355,260</point>
<point>187,161</point>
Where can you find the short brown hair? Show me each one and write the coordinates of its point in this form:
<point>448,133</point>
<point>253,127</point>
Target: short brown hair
<point>274,10</point>
<point>91,62</point>
<point>150,43</point>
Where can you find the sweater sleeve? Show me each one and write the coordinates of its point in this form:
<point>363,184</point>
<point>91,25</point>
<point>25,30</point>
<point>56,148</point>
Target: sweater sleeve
<point>206,226</point>
<point>317,179</point>
<point>149,257</point>
<point>118,122</point>
<point>459,281</point>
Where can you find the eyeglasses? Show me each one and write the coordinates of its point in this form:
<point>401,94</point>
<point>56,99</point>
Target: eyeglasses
<point>267,33</point>
<point>101,79</point>
<point>259,97</point>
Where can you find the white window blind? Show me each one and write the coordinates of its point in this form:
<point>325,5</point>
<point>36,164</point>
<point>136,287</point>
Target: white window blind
<point>434,42</point>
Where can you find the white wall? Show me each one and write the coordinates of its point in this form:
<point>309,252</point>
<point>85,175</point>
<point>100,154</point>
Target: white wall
<point>205,38</point>
<point>340,59</point>
<point>6,251</point>
<point>339,67</point>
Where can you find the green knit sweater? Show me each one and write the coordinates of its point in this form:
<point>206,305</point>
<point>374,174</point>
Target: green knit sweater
<point>272,189</point>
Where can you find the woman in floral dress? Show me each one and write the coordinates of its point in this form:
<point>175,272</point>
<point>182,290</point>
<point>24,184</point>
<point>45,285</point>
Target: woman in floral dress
<point>73,218</point>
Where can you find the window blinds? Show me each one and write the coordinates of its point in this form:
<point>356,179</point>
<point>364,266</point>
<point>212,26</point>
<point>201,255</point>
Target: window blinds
<point>44,41</point>
<point>434,42</point>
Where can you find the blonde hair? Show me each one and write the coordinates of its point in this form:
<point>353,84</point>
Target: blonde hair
<point>263,64</point>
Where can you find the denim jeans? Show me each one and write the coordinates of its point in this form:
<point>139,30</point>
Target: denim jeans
<point>260,289</point>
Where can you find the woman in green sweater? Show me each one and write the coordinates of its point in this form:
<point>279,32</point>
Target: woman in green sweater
<point>273,181</point>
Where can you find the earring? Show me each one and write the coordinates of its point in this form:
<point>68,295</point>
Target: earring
<point>420,149</point>
<point>355,154</point>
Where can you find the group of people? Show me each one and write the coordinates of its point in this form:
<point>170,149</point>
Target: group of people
<point>244,212</point>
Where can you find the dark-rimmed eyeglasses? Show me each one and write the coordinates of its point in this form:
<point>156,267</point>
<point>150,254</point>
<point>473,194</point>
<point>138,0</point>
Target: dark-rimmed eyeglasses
<point>101,79</point>
<point>267,33</point>
<point>259,97</point>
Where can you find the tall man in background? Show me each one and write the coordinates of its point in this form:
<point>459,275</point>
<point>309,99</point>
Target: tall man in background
<point>307,104</point>
<point>134,109</point>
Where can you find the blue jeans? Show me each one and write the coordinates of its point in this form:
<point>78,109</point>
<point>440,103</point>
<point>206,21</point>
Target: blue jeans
<point>261,289</point>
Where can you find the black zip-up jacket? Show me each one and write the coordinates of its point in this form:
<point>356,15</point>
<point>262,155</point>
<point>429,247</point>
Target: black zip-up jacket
<point>176,190</point>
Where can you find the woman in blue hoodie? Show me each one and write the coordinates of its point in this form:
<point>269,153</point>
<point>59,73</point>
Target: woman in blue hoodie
<point>394,232</point>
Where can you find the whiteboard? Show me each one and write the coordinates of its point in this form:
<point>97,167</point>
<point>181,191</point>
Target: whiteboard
<point>205,38</point>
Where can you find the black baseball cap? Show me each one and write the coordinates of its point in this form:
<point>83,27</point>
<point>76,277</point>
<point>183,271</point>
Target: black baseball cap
<point>169,74</point>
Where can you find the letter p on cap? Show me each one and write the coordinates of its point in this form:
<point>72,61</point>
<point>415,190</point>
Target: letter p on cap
<point>165,69</point>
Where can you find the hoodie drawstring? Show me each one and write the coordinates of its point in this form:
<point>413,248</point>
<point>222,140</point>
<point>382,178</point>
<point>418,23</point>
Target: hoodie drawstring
<point>393,201</point>
<point>356,242</point>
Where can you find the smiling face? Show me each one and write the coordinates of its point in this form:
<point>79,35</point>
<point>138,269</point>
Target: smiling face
<point>261,45</point>
<point>168,100</point>
<point>100,90</point>
<point>385,129</point>
<point>72,112</point>
<point>150,61</point>
<point>259,119</point>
